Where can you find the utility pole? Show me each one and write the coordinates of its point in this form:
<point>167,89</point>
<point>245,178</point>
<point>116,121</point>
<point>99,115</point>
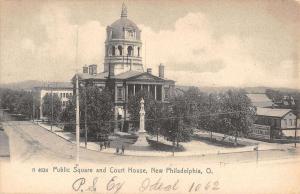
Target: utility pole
<point>77,120</point>
<point>85,117</point>
<point>173,125</point>
<point>210,104</point>
<point>256,149</point>
<point>77,104</point>
<point>51,107</point>
<point>296,127</point>
<point>33,107</point>
<point>156,125</point>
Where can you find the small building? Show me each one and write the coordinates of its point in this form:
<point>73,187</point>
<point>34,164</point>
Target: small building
<point>280,122</point>
<point>64,92</point>
<point>261,100</point>
<point>286,101</point>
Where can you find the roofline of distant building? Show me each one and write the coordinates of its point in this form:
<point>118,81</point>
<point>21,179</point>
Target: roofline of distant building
<point>55,87</point>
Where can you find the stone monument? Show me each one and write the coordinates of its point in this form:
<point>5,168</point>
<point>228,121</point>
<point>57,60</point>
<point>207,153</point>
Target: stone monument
<point>142,143</point>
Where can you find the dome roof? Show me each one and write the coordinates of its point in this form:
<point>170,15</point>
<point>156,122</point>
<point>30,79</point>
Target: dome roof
<point>122,24</point>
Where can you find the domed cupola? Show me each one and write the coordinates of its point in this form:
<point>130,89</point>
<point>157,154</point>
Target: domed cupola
<point>123,28</point>
<point>123,46</point>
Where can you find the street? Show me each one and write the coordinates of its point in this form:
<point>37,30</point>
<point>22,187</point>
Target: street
<point>31,143</point>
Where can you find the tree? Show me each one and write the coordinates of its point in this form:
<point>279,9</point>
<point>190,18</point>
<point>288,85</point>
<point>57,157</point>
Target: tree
<point>239,111</point>
<point>18,101</point>
<point>275,95</point>
<point>52,101</point>
<point>97,104</point>
<point>184,114</point>
<point>182,117</point>
<point>67,116</point>
<point>25,104</point>
<point>209,109</point>
<point>153,108</point>
<point>9,99</point>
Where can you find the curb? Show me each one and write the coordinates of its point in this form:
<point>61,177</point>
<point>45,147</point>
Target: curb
<point>52,132</point>
<point>70,140</point>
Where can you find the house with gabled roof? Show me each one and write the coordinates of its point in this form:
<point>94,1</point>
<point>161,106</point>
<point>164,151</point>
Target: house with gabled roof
<point>282,122</point>
<point>261,100</point>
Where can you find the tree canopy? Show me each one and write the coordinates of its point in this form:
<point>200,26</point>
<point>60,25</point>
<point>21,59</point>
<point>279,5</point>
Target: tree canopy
<point>50,100</point>
<point>18,102</point>
<point>97,104</point>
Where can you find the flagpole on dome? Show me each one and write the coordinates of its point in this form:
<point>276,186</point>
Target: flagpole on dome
<point>124,11</point>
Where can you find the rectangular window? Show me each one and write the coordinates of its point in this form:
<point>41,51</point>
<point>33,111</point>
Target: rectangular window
<point>278,123</point>
<point>166,93</point>
<point>285,122</point>
<point>291,122</point>
<point>120,93</point>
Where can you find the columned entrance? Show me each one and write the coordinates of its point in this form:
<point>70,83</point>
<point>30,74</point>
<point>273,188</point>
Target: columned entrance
<point>155,90</point>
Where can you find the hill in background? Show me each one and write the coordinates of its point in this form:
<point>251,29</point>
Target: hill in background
<point>259,90</point>
<point>30,84</point>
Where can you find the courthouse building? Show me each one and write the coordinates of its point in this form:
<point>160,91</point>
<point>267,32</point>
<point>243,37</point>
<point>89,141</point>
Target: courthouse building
<point>123,68</point>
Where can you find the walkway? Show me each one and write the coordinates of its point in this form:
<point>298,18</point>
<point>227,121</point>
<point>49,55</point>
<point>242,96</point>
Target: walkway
<point>192,148</point>
<point>4,145</point>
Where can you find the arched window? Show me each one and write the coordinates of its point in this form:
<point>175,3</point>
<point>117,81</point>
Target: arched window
<point>130,51</point>
<point>120,50</point>
<point>113,51</point>
<point>138,51</point>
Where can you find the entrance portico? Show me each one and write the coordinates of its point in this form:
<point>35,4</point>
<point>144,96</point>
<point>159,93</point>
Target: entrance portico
<point>155,89</point>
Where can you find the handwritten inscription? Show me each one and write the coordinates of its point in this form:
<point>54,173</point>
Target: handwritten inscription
<point>115,185</point>
<point>208,186</point>
<point>158,185</point>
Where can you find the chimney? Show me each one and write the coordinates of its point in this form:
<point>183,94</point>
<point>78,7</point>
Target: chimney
<point>149,70</point>
<point>85,69</point>
<point>93,69</point>
<point>161,71</point>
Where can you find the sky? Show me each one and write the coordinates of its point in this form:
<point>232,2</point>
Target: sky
<point>201,43</point>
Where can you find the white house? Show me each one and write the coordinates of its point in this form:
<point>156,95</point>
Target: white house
<point>282,121</point>
<point>63,92</point>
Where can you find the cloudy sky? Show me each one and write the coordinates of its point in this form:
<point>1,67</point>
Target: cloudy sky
<point>203,43</point>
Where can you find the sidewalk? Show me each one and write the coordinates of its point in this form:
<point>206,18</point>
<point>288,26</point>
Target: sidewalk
<point>193,148</point>
<point>4,145</point>
<point>251,142</point>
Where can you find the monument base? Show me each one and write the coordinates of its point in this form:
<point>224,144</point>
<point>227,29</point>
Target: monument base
<point>141,143</point>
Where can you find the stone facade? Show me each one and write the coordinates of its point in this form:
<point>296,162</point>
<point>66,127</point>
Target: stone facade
<point>123,46</point>
<point>123,72</point>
